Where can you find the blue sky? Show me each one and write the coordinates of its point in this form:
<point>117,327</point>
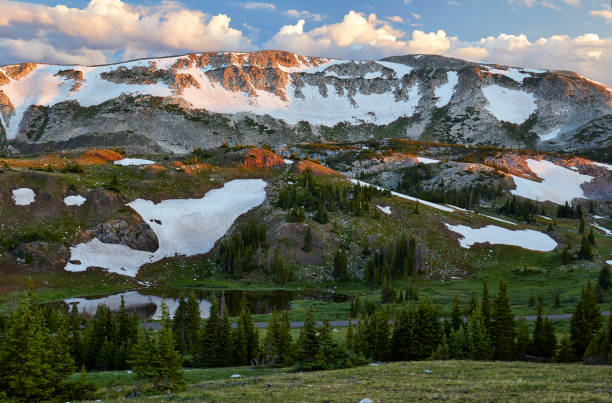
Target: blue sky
<point>559,34</point>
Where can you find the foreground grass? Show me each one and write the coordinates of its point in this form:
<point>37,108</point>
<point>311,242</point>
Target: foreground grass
<point>402,381</point>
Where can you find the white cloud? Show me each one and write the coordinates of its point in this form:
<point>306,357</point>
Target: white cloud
<point>606,14</point>
<point>105,28</point>
<point>304,14</point>
<point>452,3</point>
<point>416,16</point>
<point>256,5</point>
<point>396,18</point>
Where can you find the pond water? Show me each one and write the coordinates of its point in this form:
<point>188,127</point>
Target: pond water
<point>147,303</point>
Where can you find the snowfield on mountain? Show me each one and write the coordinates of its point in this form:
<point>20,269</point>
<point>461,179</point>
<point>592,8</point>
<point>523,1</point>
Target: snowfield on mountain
<point>203,99</point>
<point>182,226</point>
<point>558,184</point>
<point>526,238</point>
<point>23,196</point>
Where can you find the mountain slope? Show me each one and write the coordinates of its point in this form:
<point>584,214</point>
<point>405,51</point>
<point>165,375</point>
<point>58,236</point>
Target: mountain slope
<point>275,97</point>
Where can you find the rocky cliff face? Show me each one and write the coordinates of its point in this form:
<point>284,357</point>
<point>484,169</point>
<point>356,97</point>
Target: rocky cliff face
<point>273,97</point>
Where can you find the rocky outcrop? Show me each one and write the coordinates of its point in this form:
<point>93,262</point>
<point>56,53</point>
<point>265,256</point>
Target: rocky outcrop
<point>137,235</point>
<point>18,71</point>
<point>261,158</point>
<point>314,168</point>
<point>76,76</point>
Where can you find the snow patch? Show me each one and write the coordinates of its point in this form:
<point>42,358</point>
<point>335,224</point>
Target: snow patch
<point>511,73</point>
<point>526,238</point>
<point>77,200</point>
<point>558,185</point>
<point>445,91</point>
<point>400,69</point>
<point>498,219</point>
<point>602,229</point>
<point>425,160</point>
<point>133,161</point>
<point>513,106</point>
<point>23,196</point>
<point>182,226</point>
<point>549,136</point>
<point>601,164</point>
<point>386,209</point>
<point>288,161</point>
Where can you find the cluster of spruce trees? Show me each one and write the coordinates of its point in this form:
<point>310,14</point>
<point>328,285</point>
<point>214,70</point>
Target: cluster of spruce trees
<point>485,330</point>
<point>320,197</point>
<point>400,259</point>
<point>522,209</point>
<point>466,197</point>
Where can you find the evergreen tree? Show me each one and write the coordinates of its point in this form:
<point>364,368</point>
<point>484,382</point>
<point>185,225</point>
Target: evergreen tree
<point>179,328</point>
<point>192,323</point>
<point>486,307</point>
<point>603,279</point>
<point>167,362</point>
<point>591,237</point>
<point>473,303</point>
<point>307,241</point>
<point>456,317</point>
<point>340,265</point>
<point>586,252</point>
<point>480,340</point>
<point>544,341</point>
<point>566,351</point>
<point>599,350</point>
<point>523,340</point>
<point>27,370</point>
<point>503,327</point>
<point>428,330</point>
<point>248,343</point>
<point>585,322</point>
<point>142,357</point>
<point>308,341</point>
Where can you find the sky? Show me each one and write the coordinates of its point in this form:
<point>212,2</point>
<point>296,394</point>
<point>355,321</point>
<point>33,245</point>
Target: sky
<point>556,34</point>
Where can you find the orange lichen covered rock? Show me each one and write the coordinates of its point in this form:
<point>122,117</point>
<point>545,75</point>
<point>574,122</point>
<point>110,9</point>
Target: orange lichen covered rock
<point>314,168</point>
<point>18,71</point>
<point>513,163</point>
<point>259,158</point>
<point>100,156</point>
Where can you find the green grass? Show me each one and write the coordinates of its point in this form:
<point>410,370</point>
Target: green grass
<point>401,381</point>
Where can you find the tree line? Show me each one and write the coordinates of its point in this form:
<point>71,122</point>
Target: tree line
<point>41,347</point>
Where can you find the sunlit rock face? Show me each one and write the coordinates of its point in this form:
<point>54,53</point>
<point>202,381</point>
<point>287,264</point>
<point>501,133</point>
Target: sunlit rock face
<point>274,97</point>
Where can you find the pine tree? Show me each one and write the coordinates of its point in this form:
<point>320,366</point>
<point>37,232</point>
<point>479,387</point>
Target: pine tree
<point>26,370</point>
<point>473,303</point>
<point>586,252</point>
<point>503,327</point>
<point>456,318</point>
<point>308,342</point>
<point>428,330</point>
<point>179,328</point>
<point>283,347</point>
<point>486,307</point>
<point>599,350</point>
<point>192,323</point>
<point>167,362</point>
<point>565,352</point>
<point>523,340</point>
<point>340,265</point>
<point>603,279</point>
<point>141,360</point>
<point>349,336</point>
<point>307,241</point>
<point>249,343</point>
<point>480,339</point>
<point>544,340</point>
<point>585,322</point>
<point>591,237</point>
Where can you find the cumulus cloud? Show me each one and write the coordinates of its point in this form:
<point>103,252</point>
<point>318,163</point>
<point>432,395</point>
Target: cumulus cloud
<point>256,5</point>
<point>606,14</point>
<point>106,28</point>
<point>396,18</point>
<point>304,15</point>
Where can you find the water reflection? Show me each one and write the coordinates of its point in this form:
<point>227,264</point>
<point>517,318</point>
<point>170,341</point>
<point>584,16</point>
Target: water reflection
<point>147,303</point>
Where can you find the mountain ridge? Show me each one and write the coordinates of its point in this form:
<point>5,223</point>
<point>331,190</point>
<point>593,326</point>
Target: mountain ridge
<point>175,103</point>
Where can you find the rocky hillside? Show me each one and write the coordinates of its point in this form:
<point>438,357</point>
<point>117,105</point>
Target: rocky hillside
<point>173,104</point>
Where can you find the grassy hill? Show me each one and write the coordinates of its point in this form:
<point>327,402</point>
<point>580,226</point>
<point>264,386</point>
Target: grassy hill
<point>400,381</point>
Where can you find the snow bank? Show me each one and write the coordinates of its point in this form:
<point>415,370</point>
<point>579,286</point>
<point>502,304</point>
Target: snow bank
<point>526,238</point>
<point>183,227</point>
<point>600,164</point>
<point>133,161</point>
<point>287,161</point>
<point>425,160</point>
<point>445,91</point>
<point>558,185</point>
<point>133,300</point>
<point>23,196</point>
<point>602,229</point>
<point>403,196</point>
<point>509,105</point>
<point>400,69</point>
<point>498,219</point>
<point>549,136</point>
<point>511,73</point>
<point>77,200</point>
<point>386,209</point>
